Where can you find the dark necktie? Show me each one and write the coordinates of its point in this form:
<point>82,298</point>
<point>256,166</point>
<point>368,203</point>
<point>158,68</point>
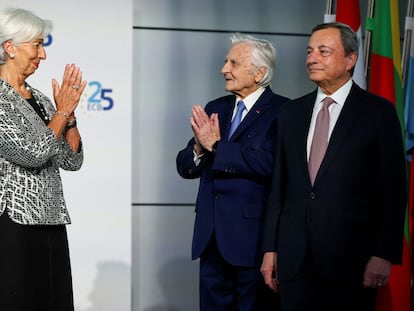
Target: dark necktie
<point>237,118</point>
<point>320,139</point>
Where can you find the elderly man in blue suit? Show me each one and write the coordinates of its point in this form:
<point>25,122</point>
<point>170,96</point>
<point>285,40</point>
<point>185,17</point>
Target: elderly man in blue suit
<point>234,164</point>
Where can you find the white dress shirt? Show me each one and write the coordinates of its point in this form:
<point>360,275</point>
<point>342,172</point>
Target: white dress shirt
<point>248,101</point>
<point>334,110</point>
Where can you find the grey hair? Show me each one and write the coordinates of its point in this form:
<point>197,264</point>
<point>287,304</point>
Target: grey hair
<point>19,25</point>
<point>263,55</point>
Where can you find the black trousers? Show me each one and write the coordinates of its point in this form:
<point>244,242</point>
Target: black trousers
<point>309,291</point>
<point>35,273</point>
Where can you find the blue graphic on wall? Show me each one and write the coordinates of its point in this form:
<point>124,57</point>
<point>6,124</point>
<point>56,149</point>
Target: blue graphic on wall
<point>100,99</point>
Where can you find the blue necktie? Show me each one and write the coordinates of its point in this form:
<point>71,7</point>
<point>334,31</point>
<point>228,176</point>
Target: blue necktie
<point>237,118</point>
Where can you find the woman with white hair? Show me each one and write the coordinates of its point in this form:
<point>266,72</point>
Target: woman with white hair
<point>37,138</point>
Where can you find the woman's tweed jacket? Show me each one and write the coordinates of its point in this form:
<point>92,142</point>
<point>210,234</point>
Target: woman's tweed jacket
<point>30,158</point>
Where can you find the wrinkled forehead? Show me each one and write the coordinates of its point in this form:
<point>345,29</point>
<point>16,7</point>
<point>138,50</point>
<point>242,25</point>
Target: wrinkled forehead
<point>240,51</point>
<point>329,37</point>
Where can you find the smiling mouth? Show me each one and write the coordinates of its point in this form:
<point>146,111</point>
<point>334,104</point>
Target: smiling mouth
<point>314,69</point>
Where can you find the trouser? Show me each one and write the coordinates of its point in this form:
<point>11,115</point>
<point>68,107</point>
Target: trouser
<point>35,273</point>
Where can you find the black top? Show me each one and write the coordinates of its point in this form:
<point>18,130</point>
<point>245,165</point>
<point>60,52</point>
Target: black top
<point>38,107</point>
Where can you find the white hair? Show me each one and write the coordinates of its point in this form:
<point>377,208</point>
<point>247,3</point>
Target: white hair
<point>19,25</point>
<point>263,55</point>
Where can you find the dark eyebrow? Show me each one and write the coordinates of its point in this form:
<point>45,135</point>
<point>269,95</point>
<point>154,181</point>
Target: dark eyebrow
<point>324,47</point>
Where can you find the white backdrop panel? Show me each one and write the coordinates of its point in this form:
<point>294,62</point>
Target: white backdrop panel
<point>97,36</point>
<point>166,277</point>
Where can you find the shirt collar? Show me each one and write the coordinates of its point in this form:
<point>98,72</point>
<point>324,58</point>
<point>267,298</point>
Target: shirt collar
<point>339,96</point>
<point>251,99</point>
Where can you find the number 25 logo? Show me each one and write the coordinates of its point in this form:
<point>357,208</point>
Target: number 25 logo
<point>99,100</point>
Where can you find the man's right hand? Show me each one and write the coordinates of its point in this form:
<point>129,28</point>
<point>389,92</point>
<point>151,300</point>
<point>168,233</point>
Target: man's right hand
<point>206,129</point>
<point>268,269</point>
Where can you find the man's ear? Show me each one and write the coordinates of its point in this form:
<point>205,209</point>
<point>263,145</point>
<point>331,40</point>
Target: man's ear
<point>260,73</point>
<point>352,59</point>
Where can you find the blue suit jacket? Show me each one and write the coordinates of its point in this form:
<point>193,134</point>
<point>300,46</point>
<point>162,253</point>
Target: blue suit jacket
<point>355,208</point>
<point>234,181</point>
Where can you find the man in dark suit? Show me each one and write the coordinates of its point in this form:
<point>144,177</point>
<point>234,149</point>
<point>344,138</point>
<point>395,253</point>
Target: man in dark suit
<point>329,243</point>
<point>234,171</point>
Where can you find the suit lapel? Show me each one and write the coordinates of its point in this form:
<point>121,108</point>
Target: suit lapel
<point>261,105</point>
<point>225,115</point>
<point>342,127</point>
<point>302,124</point>
<point>22,104</point>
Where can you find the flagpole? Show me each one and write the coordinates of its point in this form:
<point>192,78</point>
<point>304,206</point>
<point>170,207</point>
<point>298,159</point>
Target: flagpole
<point>329,12</point>
<point>367,47</point>
<point>329,7</point>
<point>407,39</point>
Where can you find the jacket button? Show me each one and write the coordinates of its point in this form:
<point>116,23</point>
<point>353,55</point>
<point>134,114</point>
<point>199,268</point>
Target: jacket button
<point>312,195</point>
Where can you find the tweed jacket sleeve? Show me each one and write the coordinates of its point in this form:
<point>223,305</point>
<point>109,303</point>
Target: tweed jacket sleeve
<point>66,158</point>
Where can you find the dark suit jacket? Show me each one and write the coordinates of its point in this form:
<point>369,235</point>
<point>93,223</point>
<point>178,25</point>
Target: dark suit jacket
<point>234,181</point>
<point>356,207</point>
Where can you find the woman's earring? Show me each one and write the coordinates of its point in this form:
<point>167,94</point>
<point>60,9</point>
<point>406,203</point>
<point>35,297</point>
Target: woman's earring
<point>11,55</point>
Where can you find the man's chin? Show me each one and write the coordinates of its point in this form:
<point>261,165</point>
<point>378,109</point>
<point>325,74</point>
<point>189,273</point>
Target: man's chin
<point>228,88</point>
<point>314,77</point>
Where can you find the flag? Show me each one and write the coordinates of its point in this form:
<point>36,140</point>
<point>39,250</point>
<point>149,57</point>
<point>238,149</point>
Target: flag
<point>409,91</point>
<point>347,12</point>
<point>385,80</point>
<point>409,126</point>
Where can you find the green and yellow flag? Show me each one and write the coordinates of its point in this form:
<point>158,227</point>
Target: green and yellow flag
<point>385,80</point>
